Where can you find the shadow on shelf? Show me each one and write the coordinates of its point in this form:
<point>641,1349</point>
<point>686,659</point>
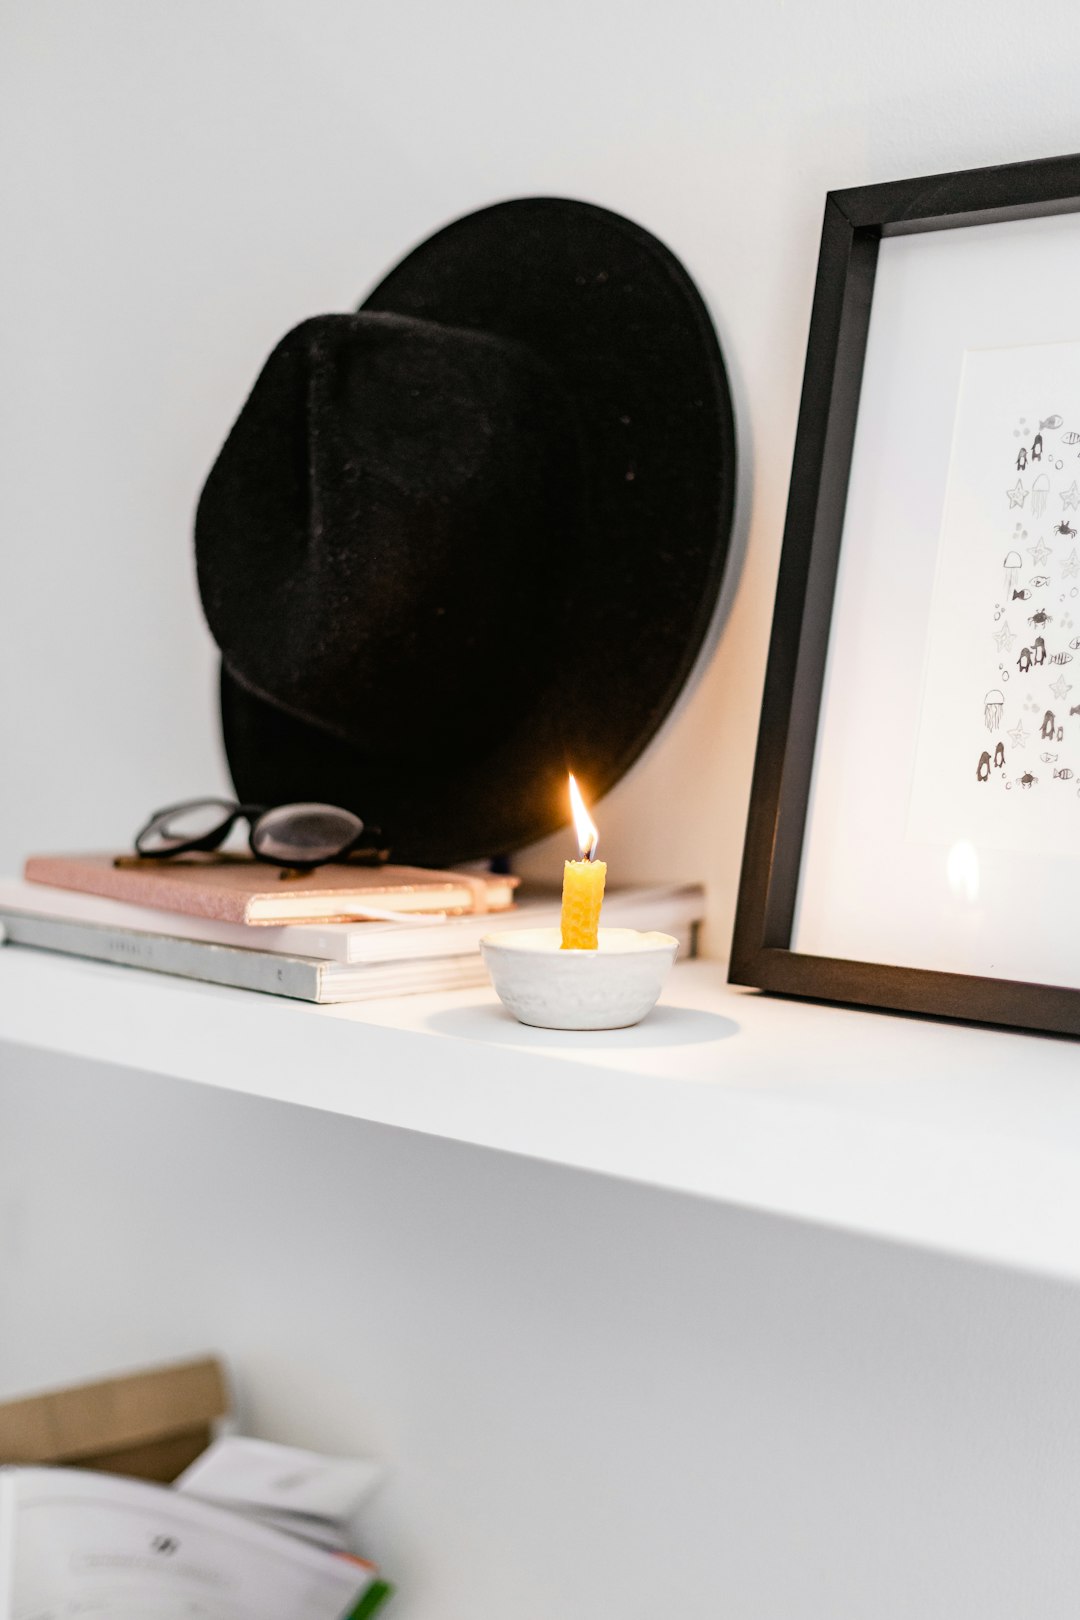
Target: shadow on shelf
<point>665,1026</point>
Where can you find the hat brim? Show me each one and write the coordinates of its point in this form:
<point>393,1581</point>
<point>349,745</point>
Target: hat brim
<point>614,315</point>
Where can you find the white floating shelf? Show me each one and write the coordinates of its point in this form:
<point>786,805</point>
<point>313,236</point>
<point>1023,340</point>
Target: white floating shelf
<point>962,1140</point>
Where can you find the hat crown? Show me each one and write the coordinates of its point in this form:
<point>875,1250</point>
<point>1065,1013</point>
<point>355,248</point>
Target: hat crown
<point>390,484</point>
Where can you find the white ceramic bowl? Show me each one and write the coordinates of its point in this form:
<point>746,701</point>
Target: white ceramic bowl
<point>609,988</point>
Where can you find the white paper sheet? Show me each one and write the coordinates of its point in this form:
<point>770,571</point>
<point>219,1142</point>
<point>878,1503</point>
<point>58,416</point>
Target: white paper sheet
<point>999,736</point>
<point>81,1544</point>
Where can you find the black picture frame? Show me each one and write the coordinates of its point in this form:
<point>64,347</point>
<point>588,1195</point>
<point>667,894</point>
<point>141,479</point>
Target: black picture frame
<point>855,222</point>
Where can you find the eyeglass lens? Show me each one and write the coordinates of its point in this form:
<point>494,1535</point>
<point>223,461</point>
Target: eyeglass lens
<point>305,833</point>
<point>185,824</point>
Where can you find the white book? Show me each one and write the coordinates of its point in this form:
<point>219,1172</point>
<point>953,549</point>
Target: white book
<point>303,978</point>
<point>667,908</point>
<point>78,1543</point>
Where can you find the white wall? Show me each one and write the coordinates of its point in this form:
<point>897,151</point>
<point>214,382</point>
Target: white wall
<point>184,179</point>
<point>597,1402</point>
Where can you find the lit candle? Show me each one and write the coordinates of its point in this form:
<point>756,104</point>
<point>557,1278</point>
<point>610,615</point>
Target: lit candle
<point>583,882</point>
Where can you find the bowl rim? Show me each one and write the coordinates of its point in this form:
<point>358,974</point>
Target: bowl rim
<point>501,940</point>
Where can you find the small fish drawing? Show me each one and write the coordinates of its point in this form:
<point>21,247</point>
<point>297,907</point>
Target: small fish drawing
<point>1060,658</point>
<point>1070,438</point>
<point>1021,596</point>
<point>1064,775</point>
<point>1048,759</point>
<point>1040,580</point>
<point>1075,709</point>
<point>1074,643</point>
<point>1051,422</point>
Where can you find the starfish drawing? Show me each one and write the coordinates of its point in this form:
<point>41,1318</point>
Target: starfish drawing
<point>1039,553</point>
<point>1019,737</point>
<point>1061,689</point>
<point>1071,497</point>
<point>1018,495</point>
<point>1004,637</point>
<point>1070,568</point>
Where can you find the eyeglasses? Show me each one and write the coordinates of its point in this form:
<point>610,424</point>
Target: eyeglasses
<point>301,836</point>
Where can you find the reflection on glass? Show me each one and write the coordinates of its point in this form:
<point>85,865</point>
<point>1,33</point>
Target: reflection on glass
<point>962,871</point>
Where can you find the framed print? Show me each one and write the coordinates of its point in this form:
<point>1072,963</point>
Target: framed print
<point>913,841</point>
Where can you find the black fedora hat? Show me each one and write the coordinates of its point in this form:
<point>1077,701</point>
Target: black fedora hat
<point>472,536</point>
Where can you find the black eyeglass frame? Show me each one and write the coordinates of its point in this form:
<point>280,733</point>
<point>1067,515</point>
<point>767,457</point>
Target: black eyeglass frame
<point>233,811</point>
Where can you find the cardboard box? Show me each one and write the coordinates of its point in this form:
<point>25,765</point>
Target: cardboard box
<point>150,1425</point>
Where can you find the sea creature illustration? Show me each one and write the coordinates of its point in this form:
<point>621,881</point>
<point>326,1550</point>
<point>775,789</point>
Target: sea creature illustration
<point>1048,759</point>
<point>1023,663</point>
<point>1012,566</point>
<point>1017,495</point>
<point>1075,709</point>
<point>1048,726</point>
<point>1070,438</point>
<point>1039,581</point>
<point>1021,596</point>
<point>992,706</point>
<point>1039,649</point>
<point>1060,658</point>
<point>1026,780</point>
<point>1050,422</point>
<point>1041,617</point>
<point>1064,528</point>
<point>1036,448</point>
<point>999,757</point>
<point>1040,489</point>
<point>1064,775</point>
<point>1021,460</point>
<point>982,769</point>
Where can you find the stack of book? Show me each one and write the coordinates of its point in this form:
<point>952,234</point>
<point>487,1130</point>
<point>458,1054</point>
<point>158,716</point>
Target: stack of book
<point>74,1542</point>
<point>341,933</point>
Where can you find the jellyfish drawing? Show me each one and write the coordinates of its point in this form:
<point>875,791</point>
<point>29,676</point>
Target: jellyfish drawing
<point>1012,566</point>
<point>1049,726</point>
<point>1040,489</point>
<point>992,706</point>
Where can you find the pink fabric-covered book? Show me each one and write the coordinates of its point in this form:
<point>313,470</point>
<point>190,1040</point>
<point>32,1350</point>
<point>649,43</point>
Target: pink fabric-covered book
<point>241,890</point>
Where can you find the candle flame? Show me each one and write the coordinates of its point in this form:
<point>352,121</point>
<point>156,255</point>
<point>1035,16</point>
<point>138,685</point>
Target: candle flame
<point>584,826</point>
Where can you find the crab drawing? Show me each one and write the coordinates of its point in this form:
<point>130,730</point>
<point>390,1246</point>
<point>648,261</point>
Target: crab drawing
<point>1027,779</point>
<point>1040,618</point>
<point>1064,528</point>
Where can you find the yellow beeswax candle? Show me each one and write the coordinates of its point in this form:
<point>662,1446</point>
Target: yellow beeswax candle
<point>583,882</point>
<point>582,897</point>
